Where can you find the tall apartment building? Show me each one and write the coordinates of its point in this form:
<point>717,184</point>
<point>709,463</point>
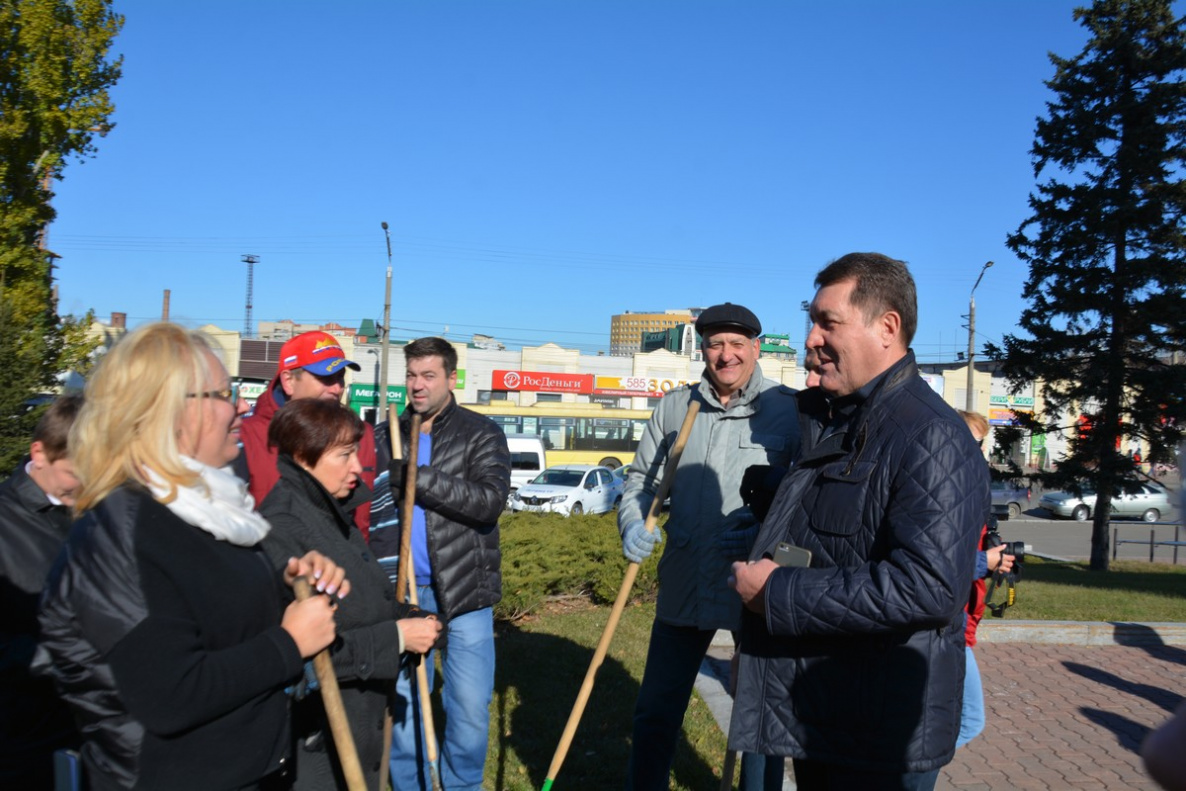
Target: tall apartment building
<point>626,329</point>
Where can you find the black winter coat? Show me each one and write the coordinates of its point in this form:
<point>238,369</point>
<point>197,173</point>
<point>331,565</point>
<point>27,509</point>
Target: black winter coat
<point>860,658</point>
<point>463,492</point>
<point>366,655</point>
<point>34,720</point>
<point>167,644</point>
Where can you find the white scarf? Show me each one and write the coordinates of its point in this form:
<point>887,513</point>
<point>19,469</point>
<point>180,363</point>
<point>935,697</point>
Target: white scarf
<point>218,503</point>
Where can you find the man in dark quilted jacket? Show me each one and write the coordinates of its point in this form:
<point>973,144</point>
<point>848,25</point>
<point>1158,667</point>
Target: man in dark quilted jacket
<point>854,665</point>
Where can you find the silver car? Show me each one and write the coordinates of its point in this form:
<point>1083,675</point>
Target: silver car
<point>1149,503</point>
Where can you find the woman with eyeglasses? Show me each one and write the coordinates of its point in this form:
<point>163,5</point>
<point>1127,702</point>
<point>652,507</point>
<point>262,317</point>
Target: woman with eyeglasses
<point>165,621</point>
<point>317,442</point>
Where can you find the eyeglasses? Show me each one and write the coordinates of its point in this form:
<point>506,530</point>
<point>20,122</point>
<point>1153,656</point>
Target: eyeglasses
<point>230,394</point>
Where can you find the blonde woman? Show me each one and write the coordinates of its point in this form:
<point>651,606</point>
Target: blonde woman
<point>163,617</point>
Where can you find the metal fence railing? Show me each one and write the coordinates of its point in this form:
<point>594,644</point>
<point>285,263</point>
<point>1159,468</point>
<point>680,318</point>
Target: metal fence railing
<point>1153,542</point>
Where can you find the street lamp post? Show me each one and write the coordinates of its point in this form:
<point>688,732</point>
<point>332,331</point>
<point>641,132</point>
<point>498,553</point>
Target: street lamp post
<point>386,342</point>
<point>971,396</point>
<point>375,376</point>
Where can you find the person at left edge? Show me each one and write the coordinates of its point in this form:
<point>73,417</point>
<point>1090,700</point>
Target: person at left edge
<point>312,365</point>
<point>35,517</point>
<point>162,619</point>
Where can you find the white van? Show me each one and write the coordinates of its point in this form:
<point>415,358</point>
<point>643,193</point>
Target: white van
<point>527,459</point>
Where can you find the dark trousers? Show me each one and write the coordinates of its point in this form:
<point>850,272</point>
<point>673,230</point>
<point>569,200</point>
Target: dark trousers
<point>673,660</point>
<point>816,776</point>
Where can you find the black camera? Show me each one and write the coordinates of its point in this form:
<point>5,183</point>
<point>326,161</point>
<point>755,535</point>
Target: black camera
<point>1014,548</point>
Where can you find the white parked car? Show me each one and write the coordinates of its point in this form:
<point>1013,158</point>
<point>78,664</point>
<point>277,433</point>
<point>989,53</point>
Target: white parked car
<point>570,489</point>
<point>1149,503</point>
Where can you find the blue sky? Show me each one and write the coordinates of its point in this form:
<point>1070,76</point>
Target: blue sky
<point>546,164</point>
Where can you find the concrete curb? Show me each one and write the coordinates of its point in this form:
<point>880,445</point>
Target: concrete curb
<point>1081,632</point>
<point>1060,633</point>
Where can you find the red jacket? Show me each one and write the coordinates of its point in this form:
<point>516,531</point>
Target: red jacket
<point>975,606</point>
<point>261,460</point>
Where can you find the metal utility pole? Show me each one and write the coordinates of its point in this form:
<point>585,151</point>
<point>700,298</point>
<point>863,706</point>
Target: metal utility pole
<point>971,398</point>
<point>386,338</point>
<point>251,261</point>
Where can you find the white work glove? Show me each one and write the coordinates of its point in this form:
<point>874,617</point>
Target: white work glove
<point>638,543</point>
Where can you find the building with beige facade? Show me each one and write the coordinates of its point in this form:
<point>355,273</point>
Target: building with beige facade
<point>626,329</point>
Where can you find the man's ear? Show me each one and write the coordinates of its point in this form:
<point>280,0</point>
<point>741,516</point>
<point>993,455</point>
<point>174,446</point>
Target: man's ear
<point>890,325</point>
<point>286,383</point>
<point>38,454</point>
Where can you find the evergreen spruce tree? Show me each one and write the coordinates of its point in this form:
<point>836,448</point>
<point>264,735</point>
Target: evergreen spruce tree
<point>1105,328</point>
<point>54,79</point>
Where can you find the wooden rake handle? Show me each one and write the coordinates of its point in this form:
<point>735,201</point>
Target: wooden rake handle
<point>335,712</point>
<point>405,586</point>
<point>578,709</point>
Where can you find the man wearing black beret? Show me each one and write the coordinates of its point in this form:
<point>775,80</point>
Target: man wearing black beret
<point>744,420</point>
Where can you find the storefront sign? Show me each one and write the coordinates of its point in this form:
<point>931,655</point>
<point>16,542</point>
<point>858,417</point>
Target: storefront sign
<point>541,382</point>
<point>636,386</point>
<point>361,395</point>
<point>1010,401</point>
<point>250,391</point>
<point>998,416</point>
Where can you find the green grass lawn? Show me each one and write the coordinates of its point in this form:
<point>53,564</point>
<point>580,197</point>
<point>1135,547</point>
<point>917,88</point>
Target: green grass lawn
<point>1131,590</point>
<point>541,664</point>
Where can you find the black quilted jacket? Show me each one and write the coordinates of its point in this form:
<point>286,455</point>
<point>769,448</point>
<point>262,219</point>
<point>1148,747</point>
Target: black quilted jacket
<point>167,645</point>
<point>860,659</point>
<point>463,493</point>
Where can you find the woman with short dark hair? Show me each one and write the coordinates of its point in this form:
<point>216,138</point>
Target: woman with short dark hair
<point>309,509</point>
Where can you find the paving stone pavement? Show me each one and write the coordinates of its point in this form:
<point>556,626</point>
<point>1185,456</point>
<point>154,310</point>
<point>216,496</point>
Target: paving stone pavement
<point>1059,716</point>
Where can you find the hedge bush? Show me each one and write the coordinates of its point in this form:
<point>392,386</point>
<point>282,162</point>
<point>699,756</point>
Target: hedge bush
<point>547,555</point>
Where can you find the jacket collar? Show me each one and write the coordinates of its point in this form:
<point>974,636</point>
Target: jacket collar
<point>742,403</point>
<point>323,501</point>
<point>405,420</point>
<point>837,435</point>
<point>270,400</point>
<point>28,490</point>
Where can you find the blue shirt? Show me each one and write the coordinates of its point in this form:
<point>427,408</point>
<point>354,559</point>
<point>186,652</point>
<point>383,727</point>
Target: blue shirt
<point>420,558</point>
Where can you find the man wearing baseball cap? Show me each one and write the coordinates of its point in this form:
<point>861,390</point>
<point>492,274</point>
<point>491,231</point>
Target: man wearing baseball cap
<point>745,421</point>
<point>312,365</point>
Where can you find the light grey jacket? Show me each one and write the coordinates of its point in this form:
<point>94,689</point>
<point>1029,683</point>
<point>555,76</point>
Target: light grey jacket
<point>761,426</point>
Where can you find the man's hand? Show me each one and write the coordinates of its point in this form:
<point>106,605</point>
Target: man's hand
<point>397,477</point>
<point>749,580</point>
<point>739,534</point>
<point>420,634</point>
<point>638,543</point>
<point>998,559</point>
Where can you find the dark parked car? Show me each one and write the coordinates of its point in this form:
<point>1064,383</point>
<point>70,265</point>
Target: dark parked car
<point>1008,501</point>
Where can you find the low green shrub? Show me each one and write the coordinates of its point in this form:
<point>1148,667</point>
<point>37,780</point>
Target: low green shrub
<point>545,555</point>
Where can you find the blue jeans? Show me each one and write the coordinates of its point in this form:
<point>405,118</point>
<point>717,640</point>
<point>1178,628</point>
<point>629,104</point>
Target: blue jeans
<point>468,668</point>
<point>673,660</point>
<point>972,714</point>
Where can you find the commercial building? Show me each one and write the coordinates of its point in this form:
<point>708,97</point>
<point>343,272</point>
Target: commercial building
<point>626,329</point>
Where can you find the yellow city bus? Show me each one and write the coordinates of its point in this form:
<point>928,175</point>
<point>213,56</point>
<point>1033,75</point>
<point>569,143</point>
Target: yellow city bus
<point>573,433</point>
